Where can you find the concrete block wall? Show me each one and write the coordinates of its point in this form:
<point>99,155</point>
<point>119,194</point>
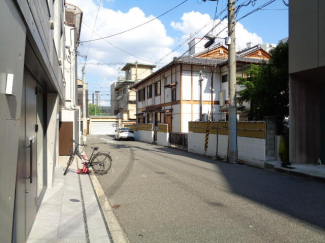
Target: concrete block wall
<point>144,136</point>
<point>162,139</point>
<point>250,150</point>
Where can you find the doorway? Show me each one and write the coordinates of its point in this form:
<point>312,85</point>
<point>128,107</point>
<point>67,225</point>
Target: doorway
<point>30,180</point>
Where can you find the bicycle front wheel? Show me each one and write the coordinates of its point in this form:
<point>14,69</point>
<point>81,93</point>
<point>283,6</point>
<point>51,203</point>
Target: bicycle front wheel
<point>68,164</point>
<point>101,163</point>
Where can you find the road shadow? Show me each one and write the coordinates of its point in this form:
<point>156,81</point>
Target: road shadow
<point>299,197</point>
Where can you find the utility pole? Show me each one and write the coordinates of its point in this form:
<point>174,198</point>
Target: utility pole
<point>231,42</point>
<point>232,124</point>
<point>136,71</point>
<point>84,123</point>
<point>200,84</point>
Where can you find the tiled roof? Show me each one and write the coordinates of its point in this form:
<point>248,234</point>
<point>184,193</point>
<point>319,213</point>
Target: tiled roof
<point>245,59</point>
<point>210,49</point>
<point>248,50</point>
<point>200,61</point>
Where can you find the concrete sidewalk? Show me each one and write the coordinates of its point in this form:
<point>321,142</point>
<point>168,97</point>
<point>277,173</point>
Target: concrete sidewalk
<point>313,171</point>
<point>71,212</point>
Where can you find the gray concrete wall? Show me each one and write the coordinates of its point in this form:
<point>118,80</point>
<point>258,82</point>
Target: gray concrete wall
<point>305,121</point>
<point>307,76</point>
<point>12,51</point>
<point>306,35</point>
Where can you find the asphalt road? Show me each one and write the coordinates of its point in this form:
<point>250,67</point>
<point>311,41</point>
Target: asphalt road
<point>167,195</point>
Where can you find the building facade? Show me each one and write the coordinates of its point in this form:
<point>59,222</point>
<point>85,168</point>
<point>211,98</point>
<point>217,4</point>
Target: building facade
<point>123,100</point>
<point>307,81</point>
<point>32,91</point>
<point>71,113</point>
<point>96,98</point>
<point>176,93</point>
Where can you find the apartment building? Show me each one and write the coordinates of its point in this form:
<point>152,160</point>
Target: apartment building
<point>176,93</point>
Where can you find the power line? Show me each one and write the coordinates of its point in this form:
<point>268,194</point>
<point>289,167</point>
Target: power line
<point>256,9</point>
<point>100,2</point>
<point>122,32</point>
<point>190,37</point>
<point>103,38</point>
<point>285,3</point>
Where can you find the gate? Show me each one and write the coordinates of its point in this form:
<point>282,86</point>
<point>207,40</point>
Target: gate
<point>178,139</point>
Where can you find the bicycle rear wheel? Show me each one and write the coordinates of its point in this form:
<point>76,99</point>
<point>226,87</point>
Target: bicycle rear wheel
<point>68,164</point>
<point>101,163</point>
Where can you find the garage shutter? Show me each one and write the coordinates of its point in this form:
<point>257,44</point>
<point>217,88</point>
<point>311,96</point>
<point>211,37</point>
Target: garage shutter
<point>101,127</point>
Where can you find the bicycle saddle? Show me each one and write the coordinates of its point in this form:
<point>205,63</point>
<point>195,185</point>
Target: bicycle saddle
<point>95,148</point>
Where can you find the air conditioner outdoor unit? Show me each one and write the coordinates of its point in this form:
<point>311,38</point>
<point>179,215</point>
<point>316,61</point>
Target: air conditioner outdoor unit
<point>205,117</point>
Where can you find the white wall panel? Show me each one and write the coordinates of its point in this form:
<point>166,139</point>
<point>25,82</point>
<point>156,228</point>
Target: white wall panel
<point>162,139</point>
<point>186,85</point>
<point>250,150</point>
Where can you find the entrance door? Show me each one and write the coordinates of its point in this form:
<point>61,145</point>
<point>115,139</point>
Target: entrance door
<point>168,120</point>
<point>26,186</point>
<point>31,153</point>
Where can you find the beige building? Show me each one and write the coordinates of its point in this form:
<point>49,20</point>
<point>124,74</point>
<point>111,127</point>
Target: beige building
<point>172,94</point>
<point>123,100</point>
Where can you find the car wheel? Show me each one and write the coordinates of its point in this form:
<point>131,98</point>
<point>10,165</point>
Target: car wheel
<point>132,139</point>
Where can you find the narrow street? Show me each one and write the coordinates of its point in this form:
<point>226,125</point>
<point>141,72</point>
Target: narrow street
<point>161,194</point>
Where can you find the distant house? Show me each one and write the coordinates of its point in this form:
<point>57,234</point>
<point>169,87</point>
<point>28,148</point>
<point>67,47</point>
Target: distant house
<point>171,95</point>
<point>123,100</point>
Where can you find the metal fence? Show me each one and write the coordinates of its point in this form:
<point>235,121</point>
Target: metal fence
<point>178,139</point>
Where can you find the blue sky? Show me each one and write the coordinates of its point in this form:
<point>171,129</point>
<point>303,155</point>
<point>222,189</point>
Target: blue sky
<point>158,38</point>
<point>271,25</point>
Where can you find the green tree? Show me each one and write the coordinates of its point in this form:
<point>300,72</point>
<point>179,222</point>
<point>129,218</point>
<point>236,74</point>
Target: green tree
<point>267,86</point>
<point>94,110</point>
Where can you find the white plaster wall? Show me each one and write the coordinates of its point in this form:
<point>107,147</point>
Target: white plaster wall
<point>250,150</point>
<point>176,109</point>
<point>185,120</point>
<point>196,87</point>
<point>68,115</point>
<point>145,136</point>
<point>176,122</point>
<point>186,85</point>
<point>162,139</point>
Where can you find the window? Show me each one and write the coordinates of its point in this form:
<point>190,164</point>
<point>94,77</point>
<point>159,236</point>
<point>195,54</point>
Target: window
<point>174,93</point>
<point>141,94</point>
<point>157,88</point>
<point>224,78</point>
<point>140,120</point>
<point>149,91</point>
<point>149,117</point>
<point>165,82</point>
<point>157,118</point>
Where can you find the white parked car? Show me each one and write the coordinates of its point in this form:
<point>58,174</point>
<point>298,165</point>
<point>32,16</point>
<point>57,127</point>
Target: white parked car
<point>124,133</point>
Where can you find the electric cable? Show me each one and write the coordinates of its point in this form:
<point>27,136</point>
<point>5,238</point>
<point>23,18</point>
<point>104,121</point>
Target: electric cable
<point>285,3</point>
<point>140,58</point>
<point>122,32</point>
<point>100,2</point>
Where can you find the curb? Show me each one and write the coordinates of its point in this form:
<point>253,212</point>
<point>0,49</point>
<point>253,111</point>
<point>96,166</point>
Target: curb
<point>114,226</point>
<point>317,178</point>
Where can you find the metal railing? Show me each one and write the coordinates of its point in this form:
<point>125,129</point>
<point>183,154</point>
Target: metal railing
<point>178,139</point>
